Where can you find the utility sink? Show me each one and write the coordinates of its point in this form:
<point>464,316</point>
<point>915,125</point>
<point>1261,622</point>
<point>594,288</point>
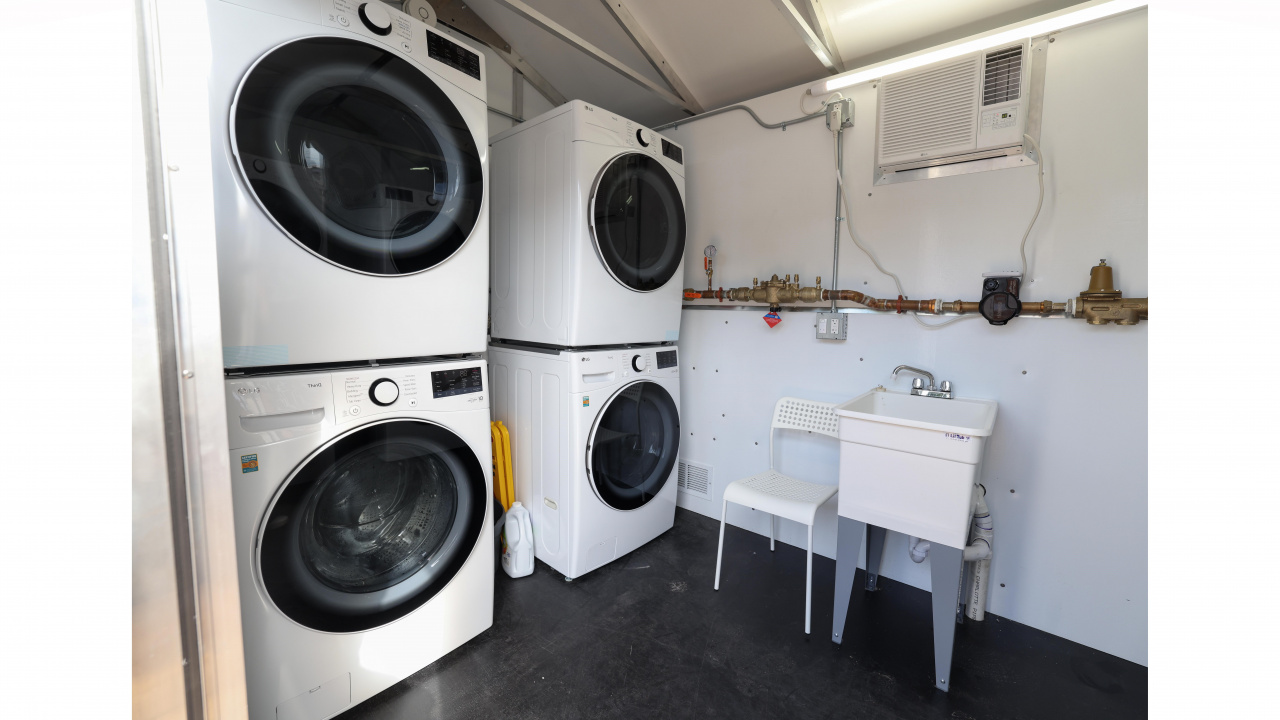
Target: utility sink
<point>908,463</point>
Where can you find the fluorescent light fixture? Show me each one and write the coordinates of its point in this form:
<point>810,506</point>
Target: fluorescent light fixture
<point>1046,24</point>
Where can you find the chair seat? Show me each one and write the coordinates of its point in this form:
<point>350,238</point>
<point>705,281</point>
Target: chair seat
<point>780,495</point>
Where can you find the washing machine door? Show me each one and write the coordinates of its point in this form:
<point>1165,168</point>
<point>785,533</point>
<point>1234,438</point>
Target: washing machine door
<point>372,526</point>
<point>357,155</point>
<point>637,221</point>
<point>634,445</point>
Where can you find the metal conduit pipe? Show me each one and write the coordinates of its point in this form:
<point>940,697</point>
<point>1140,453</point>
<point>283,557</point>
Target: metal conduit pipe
<point>767,126</point>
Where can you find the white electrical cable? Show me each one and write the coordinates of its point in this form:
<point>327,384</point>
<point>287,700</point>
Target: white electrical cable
<point>848,226</point>
<point>1022,249</point>
<point>825,102</point>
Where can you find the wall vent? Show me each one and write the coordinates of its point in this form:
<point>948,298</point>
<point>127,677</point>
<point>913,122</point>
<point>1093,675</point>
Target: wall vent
<point>694,479</point>
<point>972,108</point>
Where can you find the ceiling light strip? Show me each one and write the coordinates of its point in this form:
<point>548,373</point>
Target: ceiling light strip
<point>1070,17</point>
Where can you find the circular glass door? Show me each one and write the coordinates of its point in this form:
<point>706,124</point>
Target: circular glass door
<point>372,526</point>
<point>634,445</point>
<point>357,155</point>
<point>637,222</point>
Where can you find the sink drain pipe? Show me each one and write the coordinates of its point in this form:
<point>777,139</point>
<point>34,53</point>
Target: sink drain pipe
<point>978,552</point>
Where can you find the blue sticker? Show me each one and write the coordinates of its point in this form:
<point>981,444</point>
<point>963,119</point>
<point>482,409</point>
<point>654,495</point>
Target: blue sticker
<point>248,463</point>
<point>586,401</point>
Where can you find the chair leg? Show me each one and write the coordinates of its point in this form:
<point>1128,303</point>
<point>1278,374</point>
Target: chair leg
<point>808,583</point>
<point>772,519</point>
<point>724,509</point>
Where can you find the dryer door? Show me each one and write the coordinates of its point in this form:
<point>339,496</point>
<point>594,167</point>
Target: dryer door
<point>637,221</point>
<point>634,445</point>
<point>357,155</point>
<point>372,526</point>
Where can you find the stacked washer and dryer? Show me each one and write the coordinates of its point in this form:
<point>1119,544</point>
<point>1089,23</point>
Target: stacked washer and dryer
<point>351,175</point>
<point>588,247</point>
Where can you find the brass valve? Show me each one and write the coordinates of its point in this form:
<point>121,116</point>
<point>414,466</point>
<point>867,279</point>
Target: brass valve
<point>1102,303</point>
<point>775,291</point>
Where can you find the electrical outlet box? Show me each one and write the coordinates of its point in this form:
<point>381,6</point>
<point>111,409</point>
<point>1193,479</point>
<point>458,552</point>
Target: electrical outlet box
<point>833,326</point>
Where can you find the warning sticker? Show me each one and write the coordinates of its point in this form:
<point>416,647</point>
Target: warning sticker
<point>248,463</point>
<point>586,401</point>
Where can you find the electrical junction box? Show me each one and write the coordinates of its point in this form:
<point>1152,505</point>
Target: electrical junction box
<point>833,326</point>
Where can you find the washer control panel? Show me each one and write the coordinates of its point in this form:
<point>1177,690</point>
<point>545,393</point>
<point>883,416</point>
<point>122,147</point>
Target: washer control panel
<point>462,381</point>
<point>368,392</point>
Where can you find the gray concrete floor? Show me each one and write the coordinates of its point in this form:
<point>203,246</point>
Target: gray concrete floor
<point>647,637</point>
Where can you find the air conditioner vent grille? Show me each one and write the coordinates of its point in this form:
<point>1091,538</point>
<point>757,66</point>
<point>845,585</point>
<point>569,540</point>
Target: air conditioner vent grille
<point>694,479</point>
<point>929,111</point>
<point>1002,76</point>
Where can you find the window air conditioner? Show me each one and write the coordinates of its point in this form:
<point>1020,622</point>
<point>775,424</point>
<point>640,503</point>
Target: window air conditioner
<point>963,115</point>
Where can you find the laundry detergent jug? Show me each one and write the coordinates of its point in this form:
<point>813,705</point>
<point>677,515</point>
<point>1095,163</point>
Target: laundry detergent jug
<point>517,542</point>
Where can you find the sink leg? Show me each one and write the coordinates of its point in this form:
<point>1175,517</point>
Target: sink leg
<point>875,551</point>
<point>848,542</point>
<point>945,567</point>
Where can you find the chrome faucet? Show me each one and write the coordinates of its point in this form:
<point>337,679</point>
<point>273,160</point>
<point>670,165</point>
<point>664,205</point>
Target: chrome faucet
<point>917,386</point>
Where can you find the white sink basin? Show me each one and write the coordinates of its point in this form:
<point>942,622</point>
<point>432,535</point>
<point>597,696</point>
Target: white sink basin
<point>908,463</point>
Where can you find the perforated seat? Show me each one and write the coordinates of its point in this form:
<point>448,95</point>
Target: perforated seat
<point>782,495</point>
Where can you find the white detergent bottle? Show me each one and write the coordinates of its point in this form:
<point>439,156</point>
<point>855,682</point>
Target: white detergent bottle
<point>517,542</point>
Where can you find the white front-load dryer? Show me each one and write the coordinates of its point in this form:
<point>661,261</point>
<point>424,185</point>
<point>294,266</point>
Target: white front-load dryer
<point>350,161</point>
<point>363,528</point>
<point>595,439</point>
<point>588,231</point>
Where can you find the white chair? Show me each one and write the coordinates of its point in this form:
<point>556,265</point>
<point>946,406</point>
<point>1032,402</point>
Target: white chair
<point>781,495</point>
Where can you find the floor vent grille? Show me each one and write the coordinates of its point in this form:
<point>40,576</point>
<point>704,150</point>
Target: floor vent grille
<point>694,479</point>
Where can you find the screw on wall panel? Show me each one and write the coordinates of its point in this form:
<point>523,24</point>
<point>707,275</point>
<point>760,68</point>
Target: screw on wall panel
<point>721,414</point>
<point>757,443</point>
<point>868,194</point>
<point>1010,490</point>
<point>859,359</point>
<point>1052,39</point>
<point>1001,584</point>
<point>726,322</point>
<point>1024,372</point>
<point>717,369</point>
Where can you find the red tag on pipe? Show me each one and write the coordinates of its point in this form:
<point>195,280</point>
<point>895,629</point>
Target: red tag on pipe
<point>772,319</point>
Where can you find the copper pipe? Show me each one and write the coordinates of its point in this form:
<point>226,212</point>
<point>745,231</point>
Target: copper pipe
<point>1099,305</point>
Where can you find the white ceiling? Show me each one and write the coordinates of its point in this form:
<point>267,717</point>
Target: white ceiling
<point>727,51</point>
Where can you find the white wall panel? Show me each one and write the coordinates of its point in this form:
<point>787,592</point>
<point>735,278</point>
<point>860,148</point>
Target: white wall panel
<point>1066,469</point>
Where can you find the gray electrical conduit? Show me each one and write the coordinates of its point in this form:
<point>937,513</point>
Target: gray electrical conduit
<point>752,113</point>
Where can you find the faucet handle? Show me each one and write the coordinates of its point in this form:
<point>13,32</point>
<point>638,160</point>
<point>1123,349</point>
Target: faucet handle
<point>945,386</point>
<point>917,384</point>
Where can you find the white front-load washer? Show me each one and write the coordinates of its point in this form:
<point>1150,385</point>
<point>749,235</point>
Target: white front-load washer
<point>595,438</point>
<point>350,157</point>
<point>588,231</point>
<point>363,528</point>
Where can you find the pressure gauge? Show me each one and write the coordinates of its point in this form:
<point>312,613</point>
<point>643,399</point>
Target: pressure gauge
<point>709,251</point>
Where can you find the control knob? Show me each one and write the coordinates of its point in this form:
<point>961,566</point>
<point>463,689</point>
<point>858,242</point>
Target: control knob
<point>384,391</point>
<point>639,363</point>
<point>644,137</point>
<point>374,15</point>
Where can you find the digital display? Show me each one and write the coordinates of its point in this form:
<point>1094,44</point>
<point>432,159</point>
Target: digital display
<point>446,383</point>
<point>453,55</point>
<point>666,359</point>
<point>673,151</point>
